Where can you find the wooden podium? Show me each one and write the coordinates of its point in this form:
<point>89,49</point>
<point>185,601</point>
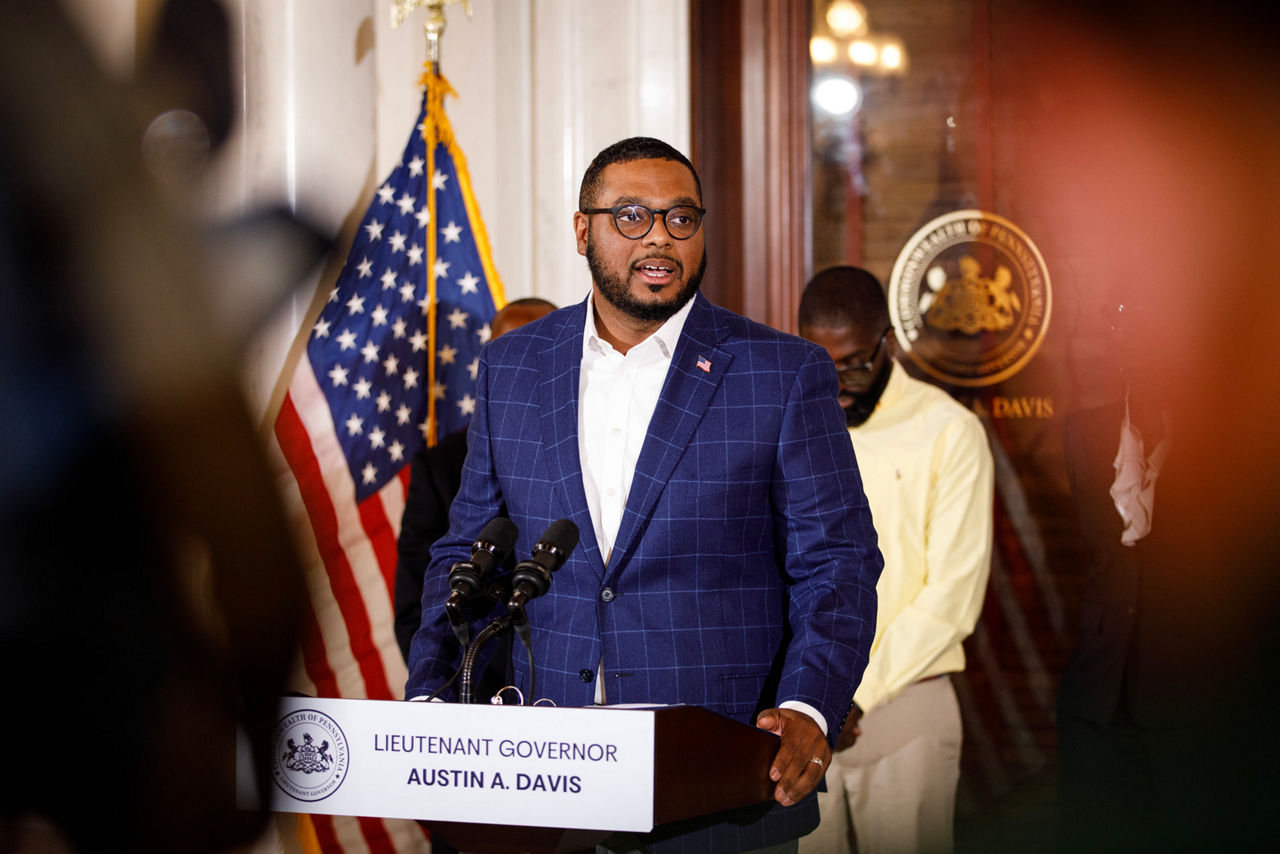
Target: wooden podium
<point>704,763</point>
<point>490,778</point>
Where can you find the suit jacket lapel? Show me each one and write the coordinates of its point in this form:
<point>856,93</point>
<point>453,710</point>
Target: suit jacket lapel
<point>697,367</point>
<point>560,367</point>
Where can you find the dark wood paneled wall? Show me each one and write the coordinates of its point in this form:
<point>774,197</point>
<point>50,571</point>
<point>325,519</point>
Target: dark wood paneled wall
<point>750,79</point>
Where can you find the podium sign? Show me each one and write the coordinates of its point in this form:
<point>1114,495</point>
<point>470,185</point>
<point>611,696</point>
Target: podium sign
<point>537,766</point>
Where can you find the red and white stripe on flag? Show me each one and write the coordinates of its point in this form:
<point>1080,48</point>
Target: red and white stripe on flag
<point>349,647</point>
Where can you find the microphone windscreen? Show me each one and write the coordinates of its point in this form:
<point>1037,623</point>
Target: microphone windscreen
<point>562,534</point>
<point>502,532</point>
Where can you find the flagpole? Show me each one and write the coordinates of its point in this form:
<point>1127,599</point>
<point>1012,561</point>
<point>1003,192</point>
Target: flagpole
<point>436,89</point>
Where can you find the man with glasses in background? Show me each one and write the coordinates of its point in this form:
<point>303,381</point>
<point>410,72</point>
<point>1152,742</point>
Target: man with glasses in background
<point>928,475</point>
<point>727,557</point>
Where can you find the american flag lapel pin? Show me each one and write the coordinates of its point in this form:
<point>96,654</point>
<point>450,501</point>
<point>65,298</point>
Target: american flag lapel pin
<point>704,364</point>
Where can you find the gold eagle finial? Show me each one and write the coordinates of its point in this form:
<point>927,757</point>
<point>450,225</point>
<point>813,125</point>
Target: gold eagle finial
<point>435,21</point>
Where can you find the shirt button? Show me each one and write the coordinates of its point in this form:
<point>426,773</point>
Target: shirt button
<point>611,491</point>
<point>606,595</point>
<point>616,431</point>
<point>586,675</point>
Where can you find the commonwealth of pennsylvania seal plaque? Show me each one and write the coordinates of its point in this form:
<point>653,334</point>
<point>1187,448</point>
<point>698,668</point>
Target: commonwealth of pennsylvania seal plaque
<point>970,298</point>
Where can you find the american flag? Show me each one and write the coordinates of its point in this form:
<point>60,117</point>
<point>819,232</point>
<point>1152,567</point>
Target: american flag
<point>389,365</point>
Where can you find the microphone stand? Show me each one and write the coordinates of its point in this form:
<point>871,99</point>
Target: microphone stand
<point>488,633</point>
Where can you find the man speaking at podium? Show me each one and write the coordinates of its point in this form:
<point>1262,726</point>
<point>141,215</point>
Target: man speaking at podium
<point>727,556</point>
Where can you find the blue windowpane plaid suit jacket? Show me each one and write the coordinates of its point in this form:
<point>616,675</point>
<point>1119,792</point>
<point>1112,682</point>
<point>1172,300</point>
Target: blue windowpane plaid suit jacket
<point>745,566</point>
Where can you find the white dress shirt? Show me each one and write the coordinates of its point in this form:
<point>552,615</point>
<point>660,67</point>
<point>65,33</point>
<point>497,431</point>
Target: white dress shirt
<point>617,395</point>
<point>1134,489</point>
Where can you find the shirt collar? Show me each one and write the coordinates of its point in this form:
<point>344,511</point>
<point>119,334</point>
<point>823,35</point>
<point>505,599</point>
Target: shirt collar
<point>665,337</point>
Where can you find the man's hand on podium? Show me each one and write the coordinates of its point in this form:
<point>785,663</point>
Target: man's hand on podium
<point>802,756</point>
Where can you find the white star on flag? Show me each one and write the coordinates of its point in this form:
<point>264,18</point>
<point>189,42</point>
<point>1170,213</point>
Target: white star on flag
<point>362,388</point>
<point>452,233</point>
<point>467,405</point>
<point>468,283</point>
<point>438,180</point>
<point>347,340</point>
<point>457,319</point>
<point>375,230</point>
<point>397,242</point>
<point>355,424</point>
<point>338,375</point>
<point>415,255</point>
<point>447,354</point>
<point>415,166</point>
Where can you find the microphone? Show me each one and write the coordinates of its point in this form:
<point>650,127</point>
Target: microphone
<point>531,578</point>
<point>466,578</point>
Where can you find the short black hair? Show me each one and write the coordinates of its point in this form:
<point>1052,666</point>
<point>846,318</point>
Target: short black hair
<point>531,302</point>
<point>844,296</point>
<point>624,151</point>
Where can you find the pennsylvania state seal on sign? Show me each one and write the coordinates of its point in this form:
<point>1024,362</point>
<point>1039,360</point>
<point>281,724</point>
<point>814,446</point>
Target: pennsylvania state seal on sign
<point>309,755</point>
<point>970,299</point>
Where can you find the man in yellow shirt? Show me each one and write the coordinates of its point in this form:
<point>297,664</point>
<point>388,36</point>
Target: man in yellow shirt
<point>928,474</point>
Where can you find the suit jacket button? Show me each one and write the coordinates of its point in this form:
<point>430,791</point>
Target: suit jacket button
<point>586,675</point>
<point>606,595</point>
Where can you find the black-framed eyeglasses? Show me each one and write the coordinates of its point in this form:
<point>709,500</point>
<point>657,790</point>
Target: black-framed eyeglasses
<point>859,373</point>
<point>634,221</point>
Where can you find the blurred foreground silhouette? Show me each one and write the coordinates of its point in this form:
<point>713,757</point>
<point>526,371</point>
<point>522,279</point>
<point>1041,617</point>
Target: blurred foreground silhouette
<point>1153,127</point>
<point>149,592</point>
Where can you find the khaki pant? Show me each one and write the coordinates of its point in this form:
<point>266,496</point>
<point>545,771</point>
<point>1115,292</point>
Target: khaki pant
<point>896,787</point>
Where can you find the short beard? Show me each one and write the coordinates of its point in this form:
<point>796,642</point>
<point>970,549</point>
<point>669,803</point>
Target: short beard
<point>619,295</point>
<point>865,402</point>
